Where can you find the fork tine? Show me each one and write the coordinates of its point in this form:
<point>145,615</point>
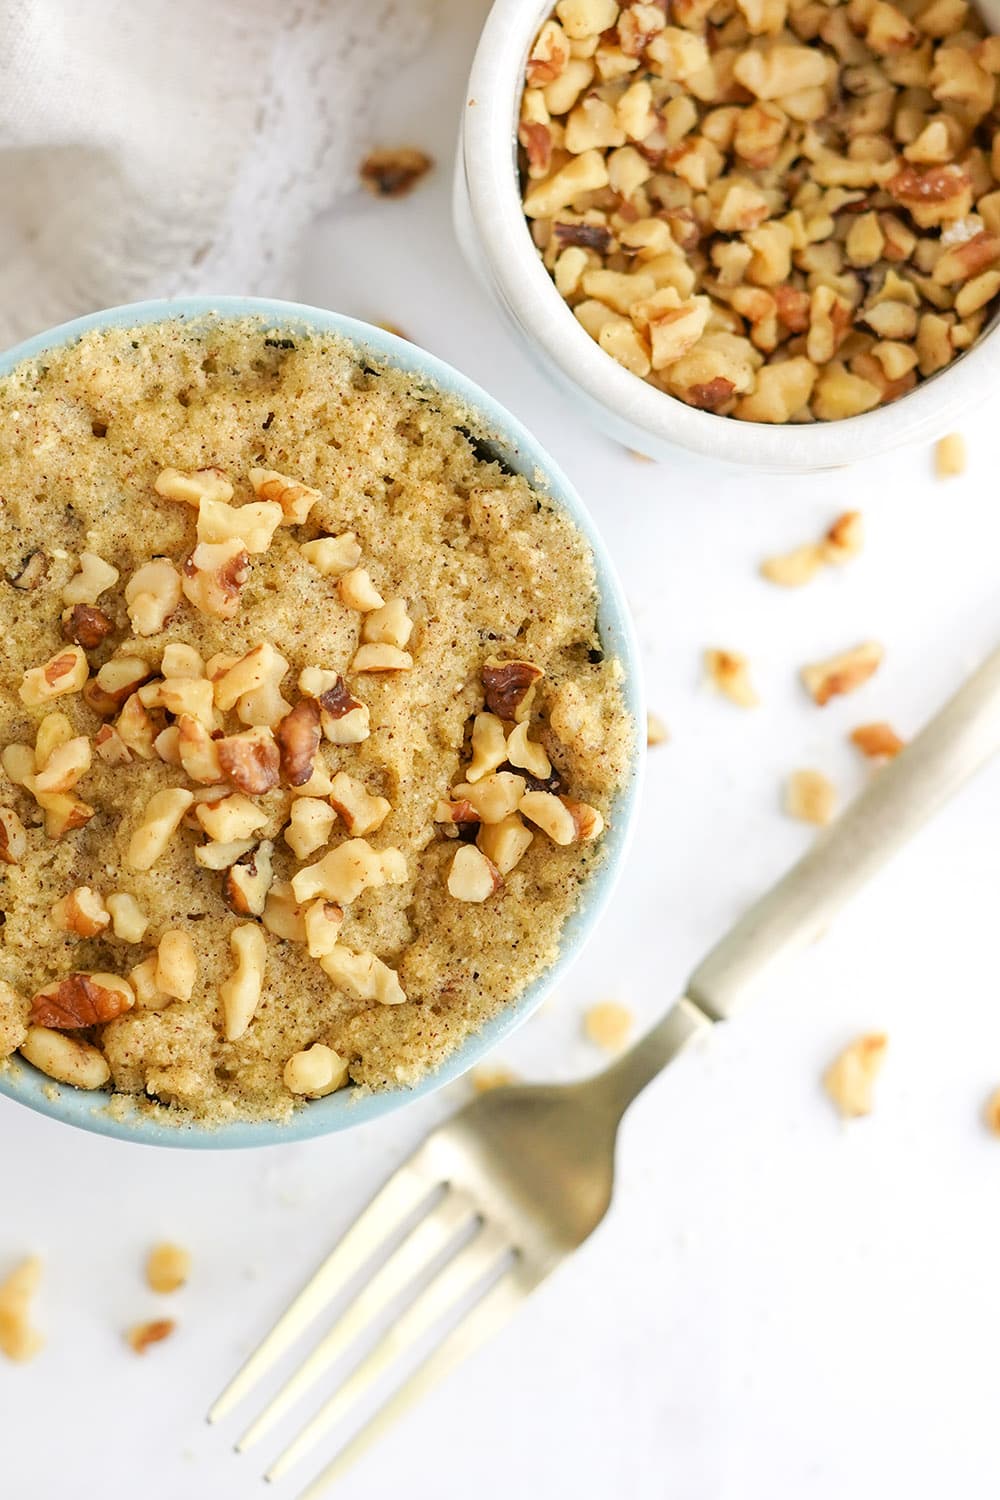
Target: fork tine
<point>426,1240</point>
<point>404,1191</point>
<point>451,1283</point>
<point>486,1318</point>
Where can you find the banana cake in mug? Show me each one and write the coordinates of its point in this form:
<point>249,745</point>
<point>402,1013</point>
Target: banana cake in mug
<point>307,738</point>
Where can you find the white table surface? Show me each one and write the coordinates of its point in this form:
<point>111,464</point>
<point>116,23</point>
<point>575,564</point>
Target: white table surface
<point>778,1305</point>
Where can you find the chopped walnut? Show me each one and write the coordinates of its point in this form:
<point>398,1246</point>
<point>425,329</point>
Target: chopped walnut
<point>333,556</point>
<point>283,915</point>
<point>949,456</point>
<point>310,825</point>
<point>157,827</point>
<point>79,1000</point>
<point>608,1025</point>
<point>81,913</point>
<point>248,881</point>
<point>252,525</point>
<point>361,811</point>
<point>323,921</point>
<point>31,572</point>
<point>392,172</point>
<point>86,626</point>
<point>357,591</point>
<point>378,658</point>
<point>141,1335</point>
<point>128,920</point>
<point>811,797</point>
<point>473,875</point>
<point>485,1079</point>
<point>316,1072</point>
<point>791,570</point>
<point>19,1340</point>
<point>850,1078</point>
<point>388,626</point>
<point>64,673</point>
<point>115,682</point>
<point>298,735</point>
<point>67,1059</point>
<point>229,818</point>
<point>296,499</point>
<point>176,964</point>
<point>878,741</point>
<point>489,746</point>
<point>729,672</point>
<point>363,976</point>
<point>344,718</point>
<point>192,489</point>
<point>13,839</point>
<point>240,993</point>
<point>168,1267</point>
<point>354,866</point>
<point>213,576</point>
<point>490,800</point>
<point>152,594</point>
<point>842,674</point>
<point>94,578</point>
<point>991,1112</point>
<point>657,732</point>
<point>506,842</point>
<point>251,760</point>
<point>526,754</point>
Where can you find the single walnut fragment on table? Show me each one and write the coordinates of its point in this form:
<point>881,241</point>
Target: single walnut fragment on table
<point>811,797</point>
<point>168,1267</point>
<point>850,1078</point>
<point>877,741</point>
<point>949,456</point>
<point>141,1335</point>
<point>608,1025</point>
<point>19,1341</point>
<point>392,172</point>
<point>991,1112</point>
<point>842,674</point>
<point>844,539</point>
<point>729,672</point>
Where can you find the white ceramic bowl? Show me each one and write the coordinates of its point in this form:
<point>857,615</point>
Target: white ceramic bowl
<point>495,238</point>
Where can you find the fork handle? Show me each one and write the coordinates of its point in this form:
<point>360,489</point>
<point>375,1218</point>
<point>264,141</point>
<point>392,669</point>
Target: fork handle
<point>897,802</point>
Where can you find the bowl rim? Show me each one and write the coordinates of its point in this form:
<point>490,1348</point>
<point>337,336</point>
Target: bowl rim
<point>24,1084</point>
<point>488,160</point>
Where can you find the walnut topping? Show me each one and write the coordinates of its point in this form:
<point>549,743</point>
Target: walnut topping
<point>392,172</point>
<point>362,813</point>
<point>333,556</point>
<point>63,768</point>
<point>64,673</point>
<point>729,672</point>
<point>344,718</point>
<point>128,920</point>
<point>850,1078</point>
<point>248,674</point>
<point>510,687</point>
<point>489,747</point>
<point>176,965</point>
<point>376,658</point>
<point>250,760</point>
<point>213,576</point>
<point>323,921</point>
<point>298,736</point>
<point>505,843</point>
<point>94,578</point>
<point>357,591</point>
<point>247,882</point>
<point>490,800</point>
<point>240,993</point>
<point>526,754</point>
<point>310,825</point>
<point>296,499</point>
<point>192,489</point>
<point>388,626</point>
<point>167,1268</point>
<point>13,839</point>
<point>842,674</point>
<point>252,525</point>
<point>229,818</point>
<point>116,681</point>
<point>283,915</point>
<point>31,572</point>
<point>363,975</point>
<point>878,741</point>
<point>143,980</point>
<point>86,625</point>
<point>198,752</point>
<point>811,797</point>
<point>134,729</point>
<point>82,913</point>
<point>19,1340</point>
<point>63,813</point>
<point>219,856</point>
<point>551,815</point>
<point>80,1000</point>
<point>473,875</point>
<point>65,1058</point>
<point>346,871</point>
<point>152,594</point>
<point>157,827</point>
<point>315,1072</point>
<point>587,821</point>
<point>141,1335</point>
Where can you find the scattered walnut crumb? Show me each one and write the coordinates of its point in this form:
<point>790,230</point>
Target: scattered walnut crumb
<point>811,797</point>
<point>850,1078</point>
<point>141,1335</point>
<point>608,1025</point>
<point>18,1340</point>
<point>485,1079</point>
<point>844,673</point>
<point>991,1112</point>
<point>657,732</point>
<point>949,456</point>
<point>167,1267</point>
<point>730,673</point>
<point>394,171</point>
<point>843,540</point>
<point>878,741</point>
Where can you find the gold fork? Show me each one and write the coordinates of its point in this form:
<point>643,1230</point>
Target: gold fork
<point>496,1197</point>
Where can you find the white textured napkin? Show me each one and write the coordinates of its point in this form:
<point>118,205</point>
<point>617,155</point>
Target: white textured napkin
<point>159,147</point>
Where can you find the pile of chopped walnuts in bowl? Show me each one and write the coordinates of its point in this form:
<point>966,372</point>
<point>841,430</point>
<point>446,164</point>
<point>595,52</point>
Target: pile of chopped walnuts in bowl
<point>778,210</point>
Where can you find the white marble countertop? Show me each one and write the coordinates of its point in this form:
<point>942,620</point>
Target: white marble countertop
<point>777,1305</point>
